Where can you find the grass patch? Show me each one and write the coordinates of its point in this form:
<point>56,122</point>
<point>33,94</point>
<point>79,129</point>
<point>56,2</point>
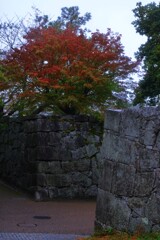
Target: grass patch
<point>115,235</point>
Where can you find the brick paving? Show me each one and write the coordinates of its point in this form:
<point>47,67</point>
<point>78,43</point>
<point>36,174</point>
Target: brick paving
<point>23,218</point>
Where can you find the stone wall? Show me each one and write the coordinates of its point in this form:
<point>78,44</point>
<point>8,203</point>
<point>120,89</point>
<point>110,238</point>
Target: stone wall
<point>129,187</point>
<point>52,157</point>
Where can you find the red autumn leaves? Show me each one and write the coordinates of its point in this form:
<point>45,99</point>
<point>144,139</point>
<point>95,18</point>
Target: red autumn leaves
<point>63,70</point>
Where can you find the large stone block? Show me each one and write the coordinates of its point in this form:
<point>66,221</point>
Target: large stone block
<point>63,180</point>
<point>105,181</point>
<point>91,191</point>
<point>59,180</point>
<point>112,120</point>
<point>49,167</point>
<point>129,187</point>
<point>111,211</point>
<point>47,125</point>
<point>79,153</point>
<point>30,126</point>
<point>54,138</point>
<point>157,139</point>
<point>119,149</point>
<point>144,184</point>
<point>41,194</point>
<point>147,159</point>
<point>81,179</point>
<point>46,153</point>
<point>137,206</point>
<point>41,180</point>
<point>64,154</point>
<point>94,139</point>
<point>123,180</point>
<point>149,133</point>
<point>95,169</point>
<point>130,124</point>
<point>78,165</point>
<point>152,209</point>
<point>53,192</point>
<point>157,180</point>
<point>139,224</point>
<point>69,193</point>
<point>91,150</point>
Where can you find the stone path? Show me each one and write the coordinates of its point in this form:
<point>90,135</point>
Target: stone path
<point>38,236</point>
<point>23,218</point>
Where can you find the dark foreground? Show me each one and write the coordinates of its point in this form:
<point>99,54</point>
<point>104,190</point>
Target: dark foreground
<point>63,219</point>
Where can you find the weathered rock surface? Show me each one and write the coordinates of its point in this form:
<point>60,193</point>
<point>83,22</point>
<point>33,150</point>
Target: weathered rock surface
<point>129,185</point>
<point>52,156</point>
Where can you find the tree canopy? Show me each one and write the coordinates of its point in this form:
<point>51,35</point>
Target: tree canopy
<point>147,23</point>
<point>70,17</point>
<point>62,69</point>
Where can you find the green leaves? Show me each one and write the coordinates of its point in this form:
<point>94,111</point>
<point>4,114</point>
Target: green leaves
<point>63,70</point>
<point>148,23</point>
<point>147,19</point>
<point>70,17</point>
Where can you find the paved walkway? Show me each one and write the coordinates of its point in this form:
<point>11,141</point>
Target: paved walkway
<point>38,236</point>
<point>23,218</point>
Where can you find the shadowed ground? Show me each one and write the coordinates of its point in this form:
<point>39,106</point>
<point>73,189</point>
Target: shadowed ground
<point>20,214</point>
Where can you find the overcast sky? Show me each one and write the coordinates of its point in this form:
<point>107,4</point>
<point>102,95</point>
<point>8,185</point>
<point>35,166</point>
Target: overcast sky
<point>114,14</point>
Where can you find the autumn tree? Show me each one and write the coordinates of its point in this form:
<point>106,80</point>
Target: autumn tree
<point>55,65</point>
<point>13,30</point>
<point>147,23</point>
<point>63,71</point>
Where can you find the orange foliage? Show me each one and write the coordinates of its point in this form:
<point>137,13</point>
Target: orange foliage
<point>69,63</point>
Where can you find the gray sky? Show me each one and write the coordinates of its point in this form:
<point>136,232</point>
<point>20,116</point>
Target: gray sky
<point>114,14</point>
